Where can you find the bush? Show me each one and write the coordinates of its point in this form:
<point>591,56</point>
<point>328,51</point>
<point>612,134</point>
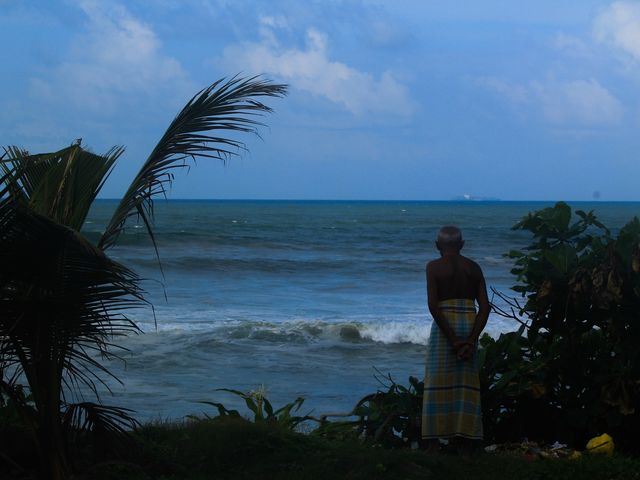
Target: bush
<point>392,416</point>
<point>572,370</point>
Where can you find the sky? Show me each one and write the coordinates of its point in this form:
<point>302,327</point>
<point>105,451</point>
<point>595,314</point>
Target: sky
<point>399,100</point>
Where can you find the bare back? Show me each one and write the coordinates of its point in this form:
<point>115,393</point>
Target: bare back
<point>455,276</point>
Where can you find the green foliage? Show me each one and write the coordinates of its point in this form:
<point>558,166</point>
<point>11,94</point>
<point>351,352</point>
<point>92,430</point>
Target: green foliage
<point>60,185</point>
<point>15,404</point>
<point>572,370</point>
<point>512,384</point>
<point>62,300</point>
<point>231,106</point>
<point>229,448</point>
<point>388,417</point>
<point>96,419</point>
<point>236,449</point>
<point>392,415</point>
<point>262,409</point>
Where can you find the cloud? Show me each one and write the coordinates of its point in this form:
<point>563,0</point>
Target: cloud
<point>276,21</point>
<point>311,70</point>
<point>384,34</point>
<point>619,26</point>
<point>115,55</point>
<point>575,103</point>
<point>572,45</point>
<point>513,92</point>
<point>578,102</point>
<point>267,24</point>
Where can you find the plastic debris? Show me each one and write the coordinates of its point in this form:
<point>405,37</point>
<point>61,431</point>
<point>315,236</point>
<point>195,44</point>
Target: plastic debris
<point>533,450</point>
<point>601,445</point>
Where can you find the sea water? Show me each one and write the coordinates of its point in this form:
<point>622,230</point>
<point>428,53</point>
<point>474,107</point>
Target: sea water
<point>303,298</point>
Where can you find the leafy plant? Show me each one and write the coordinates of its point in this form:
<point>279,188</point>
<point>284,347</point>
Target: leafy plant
<point>15,402</point>
<point>572,369</point>
<point>62,300</point>
<point>392,416</point>
<point>262,409</point>
<point>513,389</point>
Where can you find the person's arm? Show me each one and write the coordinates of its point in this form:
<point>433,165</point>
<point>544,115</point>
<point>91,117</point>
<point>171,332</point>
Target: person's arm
<point>484,307</point>
<point>432,301</point>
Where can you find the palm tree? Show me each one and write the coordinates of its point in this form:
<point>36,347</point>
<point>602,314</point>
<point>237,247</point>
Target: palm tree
<point>62,300</point>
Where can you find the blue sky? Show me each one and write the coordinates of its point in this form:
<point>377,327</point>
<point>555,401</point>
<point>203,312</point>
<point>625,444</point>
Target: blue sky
<point>389,99</point>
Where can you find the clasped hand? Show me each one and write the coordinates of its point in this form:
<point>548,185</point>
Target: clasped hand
<point>463,347</point>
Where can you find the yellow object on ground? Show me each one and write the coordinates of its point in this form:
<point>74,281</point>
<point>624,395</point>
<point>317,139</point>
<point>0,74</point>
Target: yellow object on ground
<point>602,445</point>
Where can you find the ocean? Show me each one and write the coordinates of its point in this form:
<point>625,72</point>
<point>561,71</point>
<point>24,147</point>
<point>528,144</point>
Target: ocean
<point>302,298</point>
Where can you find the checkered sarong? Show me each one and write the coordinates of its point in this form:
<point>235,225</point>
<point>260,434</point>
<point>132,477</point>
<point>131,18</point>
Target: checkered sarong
<point>451,405</point>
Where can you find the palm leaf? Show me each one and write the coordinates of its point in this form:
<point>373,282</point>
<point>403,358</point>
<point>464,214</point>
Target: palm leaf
<point>61,299</point>
<point>61,185</point>
<point>93,417</point>
<point>226,105</point>
<point>61,302</point>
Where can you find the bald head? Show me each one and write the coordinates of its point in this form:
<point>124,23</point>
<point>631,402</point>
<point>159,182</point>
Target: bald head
<point>449,238</point>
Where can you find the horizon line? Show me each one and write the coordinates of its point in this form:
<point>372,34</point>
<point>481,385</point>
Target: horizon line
<point>456,200</point>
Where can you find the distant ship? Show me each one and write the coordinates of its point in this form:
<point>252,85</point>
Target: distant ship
<point>474,198</point>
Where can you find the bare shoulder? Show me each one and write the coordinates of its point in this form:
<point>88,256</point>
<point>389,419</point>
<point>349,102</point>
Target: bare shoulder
<point>433,265</point>
<point>472,264</point>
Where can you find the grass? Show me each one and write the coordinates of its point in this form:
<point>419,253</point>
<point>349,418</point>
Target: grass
<point>237,449</point>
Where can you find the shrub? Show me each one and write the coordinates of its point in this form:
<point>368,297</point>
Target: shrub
<point>262,409</point>
<point>573,368</point>
<point>392,415</point>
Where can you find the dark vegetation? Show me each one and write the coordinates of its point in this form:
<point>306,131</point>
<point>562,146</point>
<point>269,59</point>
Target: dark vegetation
<point>63,301</point>
<point>234,448</point>
<point>572,369</point>
<point>569,372</point>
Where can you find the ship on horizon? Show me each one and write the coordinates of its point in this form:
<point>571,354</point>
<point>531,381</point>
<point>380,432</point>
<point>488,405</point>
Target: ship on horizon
<point>466,197</point>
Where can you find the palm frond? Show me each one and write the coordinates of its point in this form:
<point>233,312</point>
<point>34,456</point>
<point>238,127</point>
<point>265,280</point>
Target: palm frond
<point>60,185</point>
<point>60,299</point>
<point>93,417</point>
<point>226,105</point>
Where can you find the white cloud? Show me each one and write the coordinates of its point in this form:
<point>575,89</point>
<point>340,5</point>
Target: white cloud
<point>385,34</point>
<point>515,93</point>
<point>310,69</point>
<point>267,24</point>
<point>619,26</point>
<point>115,55</point>
<point>576,103</point>
<point>571,44</point>
<point>275,21</point>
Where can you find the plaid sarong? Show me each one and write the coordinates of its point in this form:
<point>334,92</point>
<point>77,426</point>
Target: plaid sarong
<point>451,405</point>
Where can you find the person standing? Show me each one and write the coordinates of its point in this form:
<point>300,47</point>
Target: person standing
<point>451,405</point>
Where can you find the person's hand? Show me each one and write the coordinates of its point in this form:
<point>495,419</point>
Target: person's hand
<point>465,352</point>
<point>457,343</point>
<point>463,348</point>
